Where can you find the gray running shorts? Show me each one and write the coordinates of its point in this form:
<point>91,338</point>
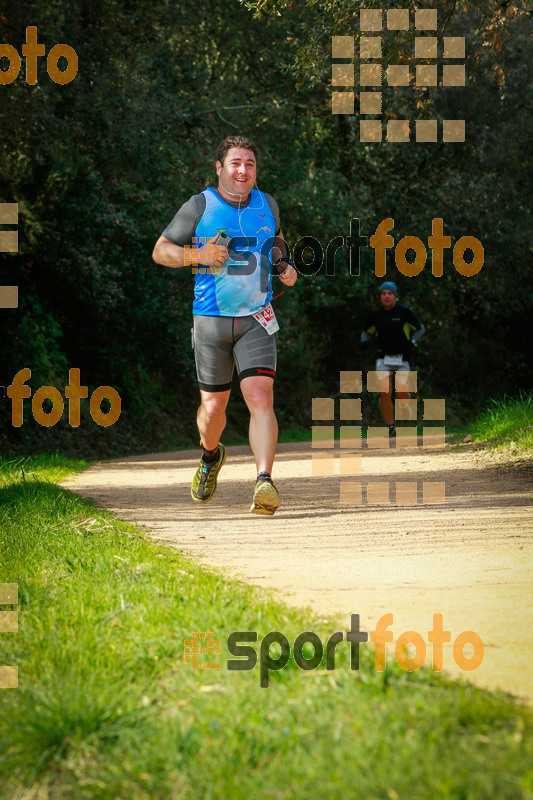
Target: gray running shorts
<point>403,367</point>
<point>221,343</point>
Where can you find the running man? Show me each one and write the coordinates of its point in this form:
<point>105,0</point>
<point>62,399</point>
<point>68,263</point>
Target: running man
<point>397,329</point>
<point>234,324</point>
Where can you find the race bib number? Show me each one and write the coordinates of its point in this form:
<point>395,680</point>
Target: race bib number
<point>393,361</point>
<point>267,318</point>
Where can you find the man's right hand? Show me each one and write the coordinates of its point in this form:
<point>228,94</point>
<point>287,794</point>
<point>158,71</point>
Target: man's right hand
<point>211,254</point>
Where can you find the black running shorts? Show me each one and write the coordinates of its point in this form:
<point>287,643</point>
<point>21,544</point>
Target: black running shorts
<point>222,343</point>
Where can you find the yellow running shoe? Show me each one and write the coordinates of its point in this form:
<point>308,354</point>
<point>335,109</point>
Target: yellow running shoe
<point>204,483</point>
<point>266,498</point>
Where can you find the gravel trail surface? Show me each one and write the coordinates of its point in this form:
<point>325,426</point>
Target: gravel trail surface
<point>469,559</point>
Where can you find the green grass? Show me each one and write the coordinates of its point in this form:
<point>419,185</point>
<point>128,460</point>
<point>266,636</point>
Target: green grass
<point>107,708</point>
<point>507,423</point>
<point>295,434</point>
<point>44,468</point>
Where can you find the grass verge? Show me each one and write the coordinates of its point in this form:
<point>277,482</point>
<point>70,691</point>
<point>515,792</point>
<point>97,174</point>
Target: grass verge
<point>106,706</point>
<point>507,423</point>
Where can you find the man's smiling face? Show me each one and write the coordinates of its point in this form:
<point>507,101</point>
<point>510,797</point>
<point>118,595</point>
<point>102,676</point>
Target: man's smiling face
<point>236,177</point>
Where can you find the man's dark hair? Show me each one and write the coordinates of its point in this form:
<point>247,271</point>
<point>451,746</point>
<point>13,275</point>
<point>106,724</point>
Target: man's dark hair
<point>235,141</point>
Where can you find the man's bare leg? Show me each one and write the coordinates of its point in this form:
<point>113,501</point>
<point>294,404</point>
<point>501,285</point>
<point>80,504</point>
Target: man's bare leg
<point>385,402</point>
<point>211,417</point>
<point>386,405</point>
<point>404,396</point>
<point>211,420</point>
<point>258,393</point>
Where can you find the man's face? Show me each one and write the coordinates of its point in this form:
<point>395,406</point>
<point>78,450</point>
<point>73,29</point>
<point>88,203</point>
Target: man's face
<point>237,174</point>
<point>388,299</point>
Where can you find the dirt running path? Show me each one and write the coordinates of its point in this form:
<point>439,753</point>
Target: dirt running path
<point>469,559</point>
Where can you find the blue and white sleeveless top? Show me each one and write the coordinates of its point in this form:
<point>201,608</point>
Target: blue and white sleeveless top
<point>244,285</point>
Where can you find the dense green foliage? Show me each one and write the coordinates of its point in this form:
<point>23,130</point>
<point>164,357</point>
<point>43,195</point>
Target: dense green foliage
<point>99,166</point>
<point>107,707</point>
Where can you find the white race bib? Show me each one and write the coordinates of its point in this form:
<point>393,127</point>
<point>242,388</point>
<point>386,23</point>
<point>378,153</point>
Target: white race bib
<point>393,361</point>
<point>267,318</point>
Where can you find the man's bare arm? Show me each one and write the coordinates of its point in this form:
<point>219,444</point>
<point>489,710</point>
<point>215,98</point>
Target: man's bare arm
<point>168,254</point>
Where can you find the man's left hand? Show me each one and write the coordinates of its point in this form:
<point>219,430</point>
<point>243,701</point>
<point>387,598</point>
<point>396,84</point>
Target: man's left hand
<point>288,276</point>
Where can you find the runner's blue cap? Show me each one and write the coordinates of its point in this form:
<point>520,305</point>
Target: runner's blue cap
<point>389,285</point>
